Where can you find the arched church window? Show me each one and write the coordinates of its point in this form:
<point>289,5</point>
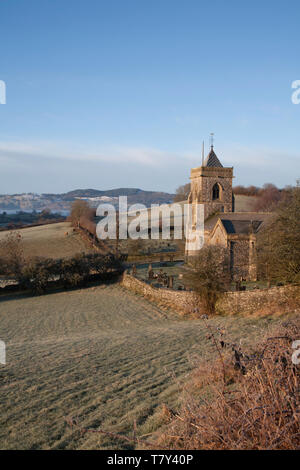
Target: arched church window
<point>216,192</point>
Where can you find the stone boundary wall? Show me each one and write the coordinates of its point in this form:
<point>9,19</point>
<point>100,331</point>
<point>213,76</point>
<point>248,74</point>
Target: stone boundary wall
<point>264,301</point>
<point>182,302</point>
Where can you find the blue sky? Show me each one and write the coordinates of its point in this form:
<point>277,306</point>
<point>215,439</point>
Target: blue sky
<point>103,94</point>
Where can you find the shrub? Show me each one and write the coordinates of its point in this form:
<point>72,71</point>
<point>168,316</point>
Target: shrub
<point>256,407</point>
<point>36,274</point>
<point>74,271</point>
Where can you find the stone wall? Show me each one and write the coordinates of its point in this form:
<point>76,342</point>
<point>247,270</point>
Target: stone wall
<point>262,301</point>
<point>239,251</point>
<point>181,301</point>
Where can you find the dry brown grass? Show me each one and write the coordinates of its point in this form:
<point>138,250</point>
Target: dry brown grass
<point>51,241</point>
<point>257,406</point>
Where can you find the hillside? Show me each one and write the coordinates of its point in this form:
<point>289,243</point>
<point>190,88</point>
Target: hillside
<point>102,355</point>
<point>51,241</point>
<point>244,203</point>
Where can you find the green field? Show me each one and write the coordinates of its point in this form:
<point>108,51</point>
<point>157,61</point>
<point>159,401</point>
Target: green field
<point>51,240</point>
<point>101,354</point>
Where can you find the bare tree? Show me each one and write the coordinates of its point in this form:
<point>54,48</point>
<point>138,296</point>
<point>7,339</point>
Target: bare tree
<point>279,242</point>
<point>268,198</point>
<point>246,191</point>
<point>11,254</point>
<point>209,275</point>
<point>182,193</point>
<point>80,209</point>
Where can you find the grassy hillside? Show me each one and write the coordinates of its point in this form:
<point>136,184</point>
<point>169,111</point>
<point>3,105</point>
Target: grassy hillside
<point>101,354</point>
<point>244,203</point>
<point>51,241</point>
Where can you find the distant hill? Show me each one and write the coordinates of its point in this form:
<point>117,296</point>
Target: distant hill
<point>98,193</point>
<point>62,202</point>
<point>134,195</point>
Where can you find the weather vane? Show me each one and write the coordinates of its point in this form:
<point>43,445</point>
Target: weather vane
<point>212,139</point>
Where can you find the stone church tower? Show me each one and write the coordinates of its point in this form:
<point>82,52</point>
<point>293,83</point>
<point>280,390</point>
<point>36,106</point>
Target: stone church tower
<point>211,185</point>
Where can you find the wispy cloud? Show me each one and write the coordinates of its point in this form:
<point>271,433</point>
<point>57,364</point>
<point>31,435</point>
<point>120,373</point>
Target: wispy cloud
<point>259,157</point>
<point>139,155</point>
<point>233,154</point>
<point>56,163</point>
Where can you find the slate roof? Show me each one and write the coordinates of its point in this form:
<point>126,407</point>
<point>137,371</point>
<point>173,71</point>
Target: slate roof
<point>212,159</point>
<point>242,227</point>
<point>236,217</point>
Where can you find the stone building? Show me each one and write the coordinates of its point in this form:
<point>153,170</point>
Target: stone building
<point>211,185</point>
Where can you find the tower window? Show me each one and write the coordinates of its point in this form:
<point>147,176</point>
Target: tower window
<point>216,192</point>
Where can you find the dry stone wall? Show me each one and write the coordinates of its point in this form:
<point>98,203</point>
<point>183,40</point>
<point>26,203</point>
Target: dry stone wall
<point>260,301</point>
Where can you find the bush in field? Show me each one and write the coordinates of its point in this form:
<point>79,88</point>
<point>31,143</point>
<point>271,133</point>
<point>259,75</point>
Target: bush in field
<point>101,264</point>
<point>209,275</point>
<point>74,271</point>
<point>36,274</point>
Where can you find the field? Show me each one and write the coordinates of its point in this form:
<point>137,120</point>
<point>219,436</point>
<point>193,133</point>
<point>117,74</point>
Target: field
<point>51,241</point>
<point>103,355</point>
<point>244,203</point>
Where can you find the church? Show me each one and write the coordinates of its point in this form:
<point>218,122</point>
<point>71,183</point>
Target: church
<point>211,185</point>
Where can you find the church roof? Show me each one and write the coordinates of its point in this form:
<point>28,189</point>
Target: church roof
<point>241,226</point>
<point>212,159</point>
<point>236,217</point>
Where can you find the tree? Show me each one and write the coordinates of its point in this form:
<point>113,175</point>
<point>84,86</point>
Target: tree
<point>80,209</point>
<point>279,242</point>
<point>11,254</point>
<point>182,193</point>
<point>209,275</point>
<point>269,197</point>
<point>246,191</point>
<point>88,225</point>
